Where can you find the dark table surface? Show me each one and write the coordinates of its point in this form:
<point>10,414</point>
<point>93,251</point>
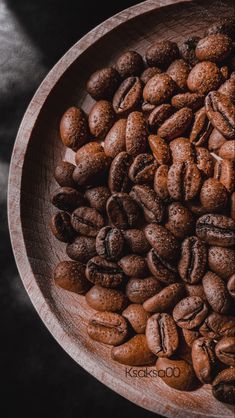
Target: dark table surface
<point>38,379</point>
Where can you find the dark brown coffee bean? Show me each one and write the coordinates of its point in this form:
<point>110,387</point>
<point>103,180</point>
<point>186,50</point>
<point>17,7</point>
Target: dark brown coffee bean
<point>205,161</point>
<point>161,54</point>
<point>74,128</point>
<point>103,299</point>
<point>81,249</point>
<point>108,328</point>
<point>182,150</point>
<point>204,360</point>
<point>87,221</point>
<point>109,243</point>
<point>61,227</point>
<point>223,387</point>
<point>115,140</point>
<point>159,89</point>
<point>103,83</point>
<point>118,180</point>
<point>136,241</point>
<point>160,149</point>
<point>193,101</point>
<point>101,118</point>
<point>213,195</point>
<point>139,290</point>
<point>187,49</point>
<point>225,172</point>
<point>149,73</point>
<point>70,275</point>
<point>149,201</point>
<point>221,261</point>
<point>166,299</point>
<point>127,96</point>
<point>228,88</point>
<point>190,336</point>
<point>190,312</point>
<point>216,230</point>
<point>216,293</point>
<point>97,197</point>
<point>147,108</point>
<point>134,352</point>
<point>179,71</point>
<point>192,264</point>
<point>160,182</point>
<point>88,150</point>
<point>195,290</point>
<point>136,133</point>
<point>161,335</point>
<point>216,326</point>
<point>162,269</point>
<point>64,174</point>
<point>196,207</point>
<point>201,128</point>
<point>184,181</point>
<point>214,48</point>
<point>204,77</point>
<point>134,266</point>
<point>163,241</point>
<point>221,113</point>
<point>142,169</point>
<point>176,125</point>
<point>180,220</point>
<point>225,351</point>
<point>159,115</point>
<point>123,211</point>
<point>104,273</point>
<point>215,141</point>
<point>231,286</point>
<point>225,26</point>
<point>67,198</point>
<point>137,317</point>
<point>177,374</point>
<point>227,150</point>
<point>130,63</point>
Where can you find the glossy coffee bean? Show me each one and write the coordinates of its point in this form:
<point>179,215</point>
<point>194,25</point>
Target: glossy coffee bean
<point>102,84</point>
<point>139,290</point>
<point>204,360</point>
<point>205,161</point>
<point>61,227</point>
<point>104,299</point>
<point>87,221</point>
<point>137,317</point>
<point>216,326</point>
<point>87,151</point>
<point>190,336</point>
<point>160,182</point>
<point>166,299</point>
<point>118,180</point>
<point>127,96</point>
<point>136,241</point>
<point>161,268</point>
<point>136,134</point>
<point>179,71</point>
<point>221,261</point>
<point>192,264</point>
<point>81,249</point>
<point>195,290</point>
<point>216,230</point>
<point>231,286</point>
<point>201,128</point>
<point>161,54</point>
<point>149,201</point>
<point>142,169</point>
<point>193,101</point>
<point>104,273</point>
<point>101,118</point>
<point>204,77</point>
<point>180,220</point>
<point>221,113</point>
<point>134,352</point>
<point>215,141</point>
<point>223,387</point>
<point>149,73</point>
<point>176,125</point>
<point>97,197</point>
<point>161,335</point>
<point>225,172</point>
<point>115,140</point>
<point>70,275</point>
<point>64,174</point>
<point>228,88</point>
<point>159,89</point>
<point>216,293</point>
<point>215,48</point>
<point>190,312</point>
<point>225,351</point>
<point>123,211</point>
<point>74,128</point>
<point>67,198</point>
<point>227,150</point>
<point>134,265</point>
<point>187,49</point>
<point>213,195</point>
<point>177,374</point>
<point>108,328</point>
<point>184,181</point>
<point>163,241</point>
<point>160,149</point>
<point>91,167</point>
<point>182,150</point>
<point>129,64</point>
<point>158,115</point>
<point>110,243</point>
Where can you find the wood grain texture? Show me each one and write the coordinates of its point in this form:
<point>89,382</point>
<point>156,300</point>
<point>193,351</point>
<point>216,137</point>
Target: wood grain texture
<point>38,149</point>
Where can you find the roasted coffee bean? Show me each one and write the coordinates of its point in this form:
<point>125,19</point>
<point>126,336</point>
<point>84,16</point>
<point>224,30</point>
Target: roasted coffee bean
<point>67,198</point>
<point>179,71</point>
<point>225,26</point>
<point>187,49</point>
<point>182,150</point>
<point>162,269</point>
<point>215,141</point>
<point>103,299</point>
<point>176,125</point>
<point>195,290</point>
<point>223,387</point>
<point>184,181</point>
<point>123,211</point>
<point>201,128</point>
<point>228,88</point>
<point>70,275</point>
<point>134,266</point>
<point>193,101</point>
<point>149,73</point>
<point>231,286</point>
<point>159,115</point>
<point>161,335</point>
<point>74,128</point>
<point>216,326</point>
<point>134,352</point>
<point>190,312</point>
<point>160,182</point>
<point>136,241</point>
<point>180,220</point>
<point>216,293</point>
<point>87,151</point>
<point>104,273</point>
<point>159,89</point>
<point>139,290</point>
<point>118,180</point>
<point>205,161</point>
<point>147,108</point>
<point>227,150</point>
<point>61,227</point>
<point>136,133</point>
<point>110,243</point>
<point>225,351</point>
<point>215,48</point>
<point>142,169</point>
<point>163,241</point>
<point>102,84</point>
<point>81,249</point>
<point>127,96</point>
<point>115,140</point>
<point>160,149</point>
<point>129,64</point>
<point>166,299</point>
<point>91,168</point>
<point>87,221</point>
<point>108,328</point>
<point>149,201</point>
<point>213,195</point>
<point>64,174</point>
<point>97,197</point>
<point>204,360</point>
<point>101,118</point>
<point>196,207</point>
<point>216,230</point>
<point>221,113</point>
<point>190,336</point>
<point>221,261</point>
<point>177,374</point>
<point>192,264</point>
<point>225,172</point>
<point>137,317</point>
<point>161,54</point>
<point>204,77</point>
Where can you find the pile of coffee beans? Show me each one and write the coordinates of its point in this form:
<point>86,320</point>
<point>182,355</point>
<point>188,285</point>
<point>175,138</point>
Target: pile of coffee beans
<point>148,211</point>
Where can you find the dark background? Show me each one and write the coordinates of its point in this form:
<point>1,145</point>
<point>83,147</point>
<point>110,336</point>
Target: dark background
<point>38,379</point>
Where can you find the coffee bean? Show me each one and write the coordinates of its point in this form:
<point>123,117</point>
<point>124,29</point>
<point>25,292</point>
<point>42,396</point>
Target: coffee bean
<point>88,150</point>
<point>142,169</point>
<point>184,181</point>
<point>214,48</point>
<point>225,172</point>
<point>216,230</point>
<point>204,360</point>
<point>228,88</point>
<point>193,101</point>
<point>160,149</point>
<point>92,165</point>
<point>204,77</point>
<point>187,49</point>
<point>139,290</point>
<point>70,275</point>
<point>192,264</point>
<point>176,125</point>
<point>102,84</point>
<point>161,335</point>
<point>81,249</point>
<point>221,113</point>
<point>147,108</point>
<point>149,201</point>
<point>166,299</point>
<point>158,115</point>
<point>221,261</point>
<point>101,118</point>
<point>134,352</point>
<point>225,350</point>
<point>127,96</point>
<point>149,73</point>
<point>64,174</point>
<point>231,286</point>
<point>136,134</point>
<point>180,220</point>
<point>179,71</point>
<point>161,54</point>
<point>104,273</point>
<point>182,150</point>
<point>190,312</point>
<point>61,227</point>
<point>109,243</point>
<point>223,387</point>
<point>137,317</point>
<point>123,211</point>
<point>163,241</point>
<point>195,290</point>
<point>213,195</point>
<point>225,26</point>
<point>134,265</point>
<point>162,269</point>
<point>190,336</point>
<point>136,241</point>
<point>74,128</point>
<point>67,198</point>
<point>129,64</point>
<point>104,299</point>
<point>216,326</point>
<point>216,293</point>
<point>108,328</point>
<point>215,141</point>
<point>87,221</point>
<point>118,180</point>
<point>205,161</point>
<point>159,89</point>
<point>115,140</point>
<point>201,128</point>
<point>227,150</point>
<point>160,182</point>
<point>177,374</point>
<point>97,197</point>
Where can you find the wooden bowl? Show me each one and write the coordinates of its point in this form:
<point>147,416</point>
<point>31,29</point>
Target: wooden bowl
<point>38,149</point>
